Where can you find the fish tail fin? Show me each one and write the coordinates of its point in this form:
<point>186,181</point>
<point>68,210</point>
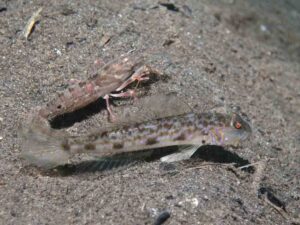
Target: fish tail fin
<point>42,146</point>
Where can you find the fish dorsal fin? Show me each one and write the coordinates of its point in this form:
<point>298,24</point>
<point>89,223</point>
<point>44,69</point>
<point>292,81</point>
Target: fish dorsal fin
<point>147,109</point>
<point>156,106</point>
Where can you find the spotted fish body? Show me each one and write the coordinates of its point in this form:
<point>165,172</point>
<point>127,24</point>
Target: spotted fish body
<point>48,148</point>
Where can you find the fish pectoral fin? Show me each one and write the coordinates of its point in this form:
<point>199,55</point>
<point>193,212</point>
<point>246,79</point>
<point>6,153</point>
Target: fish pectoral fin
<point>184,153</point>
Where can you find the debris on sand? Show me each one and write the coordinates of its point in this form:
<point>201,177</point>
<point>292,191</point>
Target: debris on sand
<point>31,22</point>
<point>162,217</point>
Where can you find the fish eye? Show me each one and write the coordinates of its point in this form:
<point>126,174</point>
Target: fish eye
<point>237,125</point>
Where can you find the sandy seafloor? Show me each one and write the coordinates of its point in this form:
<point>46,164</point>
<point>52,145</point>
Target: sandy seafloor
<point>242,54</point>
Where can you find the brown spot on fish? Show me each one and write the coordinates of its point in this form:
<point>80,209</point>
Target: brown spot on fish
<point>118,145</point>
<point>151,141</point>
<point>90,146</point>
<point>167,125</point>
<point>180,137</point>
<point>204,123</point>
<point>65,145</point>
<point>82,84</point>
<point>104,134</point>
<point>89,88</point>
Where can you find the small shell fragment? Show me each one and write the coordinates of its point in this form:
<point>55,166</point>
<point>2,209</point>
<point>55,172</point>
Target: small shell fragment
<point>31,22</point>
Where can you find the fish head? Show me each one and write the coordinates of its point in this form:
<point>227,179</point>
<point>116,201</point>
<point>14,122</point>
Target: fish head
<point>237,131</point>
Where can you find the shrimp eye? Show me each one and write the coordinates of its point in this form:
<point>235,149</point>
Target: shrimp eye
<point>237,125</point>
